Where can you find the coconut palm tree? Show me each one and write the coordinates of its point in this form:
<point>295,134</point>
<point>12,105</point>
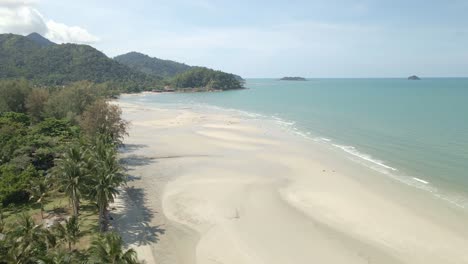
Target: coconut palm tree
<point>27,241</point>
<point>107,179</point>
<point>38,190</point>
<point>109,248</point>
<point>61,256</point>
<point>71,174</point>
<point>69,232</point>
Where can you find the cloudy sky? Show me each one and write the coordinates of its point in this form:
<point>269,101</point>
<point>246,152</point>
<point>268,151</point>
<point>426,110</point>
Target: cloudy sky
<point>256,38</point>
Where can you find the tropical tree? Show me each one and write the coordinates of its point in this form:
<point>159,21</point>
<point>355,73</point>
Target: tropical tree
<point>103,118</point>
<point>38,190</point>
<point>71,174</point>
<point>60,256</point>
<point>69,232</point>
<point>108,177</point>
<point>35,103</point>
<point>109,248</point>
<point>27,241</point>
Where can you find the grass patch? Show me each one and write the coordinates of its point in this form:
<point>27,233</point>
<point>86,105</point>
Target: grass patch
<point>57,204</point>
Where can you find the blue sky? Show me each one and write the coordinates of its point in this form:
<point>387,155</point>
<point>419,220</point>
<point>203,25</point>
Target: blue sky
<point>355,38</point>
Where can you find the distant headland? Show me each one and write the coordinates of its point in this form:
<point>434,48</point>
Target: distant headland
<point>293,79</point>
<point>414,78</point>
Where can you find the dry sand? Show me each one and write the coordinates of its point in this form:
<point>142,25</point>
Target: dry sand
<point>216,188</point>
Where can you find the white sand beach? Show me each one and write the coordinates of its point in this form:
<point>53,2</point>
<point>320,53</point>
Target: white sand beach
<point>212,188</point>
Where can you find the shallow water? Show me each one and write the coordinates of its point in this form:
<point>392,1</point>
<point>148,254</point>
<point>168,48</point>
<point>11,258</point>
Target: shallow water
<point>413,131</point>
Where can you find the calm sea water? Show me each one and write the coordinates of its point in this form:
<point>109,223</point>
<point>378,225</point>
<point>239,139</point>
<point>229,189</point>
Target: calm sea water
<point>413,131</point>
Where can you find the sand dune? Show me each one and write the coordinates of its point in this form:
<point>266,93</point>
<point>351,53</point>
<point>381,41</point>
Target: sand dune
<point>233,192</point>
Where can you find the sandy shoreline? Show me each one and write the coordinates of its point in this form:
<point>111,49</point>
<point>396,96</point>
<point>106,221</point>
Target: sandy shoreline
<point>214,188</point>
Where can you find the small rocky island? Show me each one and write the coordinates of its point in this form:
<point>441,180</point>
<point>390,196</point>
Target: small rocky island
<point>293,79</point>
<point>414,78</point>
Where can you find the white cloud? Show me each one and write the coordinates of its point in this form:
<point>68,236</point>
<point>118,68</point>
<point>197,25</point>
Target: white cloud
<point>62,33</point>
<point>21,17</point>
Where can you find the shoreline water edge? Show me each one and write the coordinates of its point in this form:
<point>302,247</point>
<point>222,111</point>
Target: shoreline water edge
<point>222,188</point>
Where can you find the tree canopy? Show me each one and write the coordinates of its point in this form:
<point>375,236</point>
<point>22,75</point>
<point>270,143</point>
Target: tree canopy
<point>62,142</point>
<point>152,66</point>
<point>200,77</point>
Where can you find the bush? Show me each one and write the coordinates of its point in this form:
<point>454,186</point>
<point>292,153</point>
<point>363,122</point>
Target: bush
<point>12,136</point>
<point>14,95</point>
<point>14,184</point>
<point>103,118</point>
<point>55,128</point>
<point>16,117</point>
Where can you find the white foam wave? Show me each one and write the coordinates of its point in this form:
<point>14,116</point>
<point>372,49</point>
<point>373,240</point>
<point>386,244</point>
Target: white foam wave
<point>420,180</point>
<point>242,113</point>
<point>353,151</point>
<point>283,122</point>
<point>321,139</point>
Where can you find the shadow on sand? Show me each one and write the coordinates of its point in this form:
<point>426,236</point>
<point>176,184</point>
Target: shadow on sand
<point>134,221</point>
<point>136,160</point>
<point>131,147</point>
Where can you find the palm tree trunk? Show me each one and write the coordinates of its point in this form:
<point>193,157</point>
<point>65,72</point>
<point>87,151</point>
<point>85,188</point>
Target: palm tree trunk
<point>42,210</point>
<point>75,204</point>
<point>101,219</point>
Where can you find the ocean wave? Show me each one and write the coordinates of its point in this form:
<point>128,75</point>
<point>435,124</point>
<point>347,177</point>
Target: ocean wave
<point>321,139</point>
<point>421,180</point>
<point>353,151</point>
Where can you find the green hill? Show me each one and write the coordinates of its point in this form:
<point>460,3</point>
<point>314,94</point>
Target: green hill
<point>152,66</point>
<point>46,63</point>
<point>201,78</point>
<point>40,40</point>
<point>155,66</point>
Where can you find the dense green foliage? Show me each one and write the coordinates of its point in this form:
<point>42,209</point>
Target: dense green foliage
<point>153,66</point>
<point>14,183</point>
<point>109,249</point>
<point>157,67</point>
<point>23,57</point>
<point>200,77</point>
<point>101,117</point>
<point>61,140</point>
<point>40,40</point>
<point>35,134</point>
<point>42,62</point>
<point>31,243</point>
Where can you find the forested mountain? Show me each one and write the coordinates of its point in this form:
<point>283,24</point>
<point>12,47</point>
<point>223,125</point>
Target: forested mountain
<point>153,66</point>
<point>47,63</point>
<point>207,79</point>
<point>43,62</point>
<point>40,40</point>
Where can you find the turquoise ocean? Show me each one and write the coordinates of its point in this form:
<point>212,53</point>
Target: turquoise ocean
<point>413,131</point>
